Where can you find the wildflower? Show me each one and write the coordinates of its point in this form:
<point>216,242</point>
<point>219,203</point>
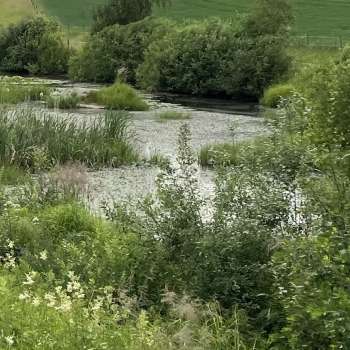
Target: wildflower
<point>51,299</point>
<point>43,255</point>
<point>24,296</point>
<point>35,220</point>
<point>10,244</point>
<point>10,340</point>
<point>30,278</point>
<point>9,261</point>
<point>36,301</point>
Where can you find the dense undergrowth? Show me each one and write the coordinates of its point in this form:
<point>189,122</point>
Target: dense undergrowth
<point>264,266</point>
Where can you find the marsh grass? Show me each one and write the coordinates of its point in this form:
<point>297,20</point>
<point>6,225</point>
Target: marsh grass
<point>11,175</point>
<point>219,154</point>
<point>172,115</point>
<point>16,93</point>
<point>63,102</point>
<point>37,141</point>
<point>118,96</point>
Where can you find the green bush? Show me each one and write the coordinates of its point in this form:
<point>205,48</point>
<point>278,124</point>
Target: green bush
<point>213,58</point>
<point>37,141</point>
<point>274,94</point>
<point>119,96</point>
<point>312,280</point>
<point>35,45</point>
<point>114,49</point>
<point>63,102</point>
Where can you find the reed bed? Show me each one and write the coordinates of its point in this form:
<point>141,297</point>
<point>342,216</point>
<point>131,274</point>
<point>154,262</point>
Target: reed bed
<point>37,140</point>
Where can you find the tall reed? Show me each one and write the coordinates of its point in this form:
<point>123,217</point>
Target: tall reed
<point>37,140</point>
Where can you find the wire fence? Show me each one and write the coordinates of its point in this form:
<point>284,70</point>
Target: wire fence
<point>313,41</point>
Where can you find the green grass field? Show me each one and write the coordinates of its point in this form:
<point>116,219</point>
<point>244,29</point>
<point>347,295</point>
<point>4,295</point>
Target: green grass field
<point>313,17</point>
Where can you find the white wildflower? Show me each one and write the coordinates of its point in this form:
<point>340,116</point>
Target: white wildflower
<point>24,296</point>
<point>30,278</point>
<point>36,301</point>
<point>43,255</point>
<point>10,244</point>
<point>51,299</point>
<point>35,220</point>
<point>10,340</point>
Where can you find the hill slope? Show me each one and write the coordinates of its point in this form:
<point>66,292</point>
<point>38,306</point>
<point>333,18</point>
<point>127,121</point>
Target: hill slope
<point>314,17</point>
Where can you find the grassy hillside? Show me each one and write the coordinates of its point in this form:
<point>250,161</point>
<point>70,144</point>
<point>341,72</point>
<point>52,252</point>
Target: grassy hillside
<point>12,10</point>
<point>314,17</point>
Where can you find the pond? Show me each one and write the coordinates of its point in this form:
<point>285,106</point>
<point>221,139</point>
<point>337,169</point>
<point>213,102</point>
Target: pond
<point>212,121</point>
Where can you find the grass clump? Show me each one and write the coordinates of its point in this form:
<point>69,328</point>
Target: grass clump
<point>274,94</point>
<point>173,115</point>
<point>11,175</point>
<point>219,154</point>
<point>64,102</point>
<point>37,141</point>
<point>15,93</point>
<point>119,96</point>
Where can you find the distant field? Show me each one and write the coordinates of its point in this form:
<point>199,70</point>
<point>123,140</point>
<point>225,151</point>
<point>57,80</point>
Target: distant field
<point>313,17</point>
<point>12,10</point>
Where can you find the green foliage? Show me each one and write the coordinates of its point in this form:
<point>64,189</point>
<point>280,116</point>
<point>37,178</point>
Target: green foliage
<point>12,92</point>
<point>173,115</point>
<point>35,46</point>
<point>123,12</point>
<point>12,175</point>
<point>63,102</point>
<point>239,64</point>
<point>274,94</point>
<point>270,17</point>
<point>328,94</point>
<point>219,154</point>
<point>119,96</point>
<point>37,141</point>
<point>313,281</point>
<point>115,49</point>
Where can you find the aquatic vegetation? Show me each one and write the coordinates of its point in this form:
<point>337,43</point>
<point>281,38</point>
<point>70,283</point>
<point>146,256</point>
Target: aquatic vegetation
<point>219,154</point>
<point>13,93</point>
<point>36,140</point>
<point>173,115</point>
<point>119,96</point>
<point>63,102</point>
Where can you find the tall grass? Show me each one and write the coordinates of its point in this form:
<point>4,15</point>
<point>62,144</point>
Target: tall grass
<point>119,96</point>
<point>63,102</point>
<point>36,140</point>
<point>15,93</point>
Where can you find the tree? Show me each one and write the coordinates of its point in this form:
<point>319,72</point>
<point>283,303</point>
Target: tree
<point>270,17</point>
<point>123,12</point>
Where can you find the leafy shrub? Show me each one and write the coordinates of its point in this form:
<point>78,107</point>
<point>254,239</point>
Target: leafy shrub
<point>119,96</point>
<point>35,46</point>
<point>312,280</point>
<point>327,108</point>
<point>123,12</point>
<point>212,58</point>
<point>274,94</point>
<point>63,102</point>
<point>37,141</point>
<point>114,49</point>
